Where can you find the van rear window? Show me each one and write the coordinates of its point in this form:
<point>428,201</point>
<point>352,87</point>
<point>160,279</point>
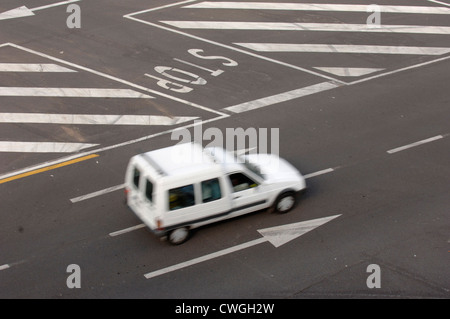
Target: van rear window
<point>181,197</point>
<point>136,177</point>
<point>149,190</point>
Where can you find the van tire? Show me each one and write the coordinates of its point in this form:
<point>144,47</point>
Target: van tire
<point>285,202</point>
<point>178,236</point>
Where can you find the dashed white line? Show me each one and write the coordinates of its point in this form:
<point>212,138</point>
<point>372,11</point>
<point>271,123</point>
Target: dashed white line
<point>3,267</point>
<point>322,172</point>
<point>97,193</point>
<point>126,230</point>
<point>402,148</point>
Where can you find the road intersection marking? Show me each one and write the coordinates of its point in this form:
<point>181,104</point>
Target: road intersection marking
<point>182,27</point>
<point>61,66</point>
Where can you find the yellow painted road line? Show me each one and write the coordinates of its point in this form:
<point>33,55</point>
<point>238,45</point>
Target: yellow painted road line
<point>48,168</point>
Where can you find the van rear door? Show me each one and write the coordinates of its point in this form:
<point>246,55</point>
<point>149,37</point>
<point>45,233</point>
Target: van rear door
<point>140,196</point>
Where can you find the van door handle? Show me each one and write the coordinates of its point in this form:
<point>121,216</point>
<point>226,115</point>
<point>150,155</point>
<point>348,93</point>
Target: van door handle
<point>236,197</point>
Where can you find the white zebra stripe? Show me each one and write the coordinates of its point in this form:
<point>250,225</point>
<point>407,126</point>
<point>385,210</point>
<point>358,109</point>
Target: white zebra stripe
<point>71,92</point>
<point>33,67</point>
<point>343,48</point>
<point>316,7</point>
<point>92,119</point>
<point>325,27</point>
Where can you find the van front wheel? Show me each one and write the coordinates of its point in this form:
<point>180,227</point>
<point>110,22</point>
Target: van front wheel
<point>285,202</point>
<point>179,235</point>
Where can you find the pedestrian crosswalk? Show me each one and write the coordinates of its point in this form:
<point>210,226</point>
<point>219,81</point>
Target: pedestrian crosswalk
<point>287,32</point>
<point>310,27</point>
<point>17,76</point>
<point>250,5</point>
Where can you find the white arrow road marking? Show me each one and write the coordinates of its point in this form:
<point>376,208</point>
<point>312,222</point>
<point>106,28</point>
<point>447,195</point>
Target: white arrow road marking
<point>283,234</point>
<point>16,13</point>
<point>71,92</point>
<point>277,236</point>
<point>292,26</point>
<point>91,119</point>
<point>32,67</point>
<point>316,7</point>
<point>43,147</point>
<point>23,11</point>
<point>343,48</point>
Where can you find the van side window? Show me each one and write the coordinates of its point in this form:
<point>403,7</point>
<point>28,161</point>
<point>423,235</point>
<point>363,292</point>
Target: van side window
<point>181,197</point>
<point>149,190</point>
<point>211,190</point>
<point>241,182</point>
<point>136,176</point>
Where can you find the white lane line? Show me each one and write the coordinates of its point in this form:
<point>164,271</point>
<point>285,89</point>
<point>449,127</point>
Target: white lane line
<point>282,97</point>
<point>411,67</point>
<point>316,7</point>
<point>343,48</point>
<point>71,92</point>
<point>23,11</point>
<point>91,119</point>
<point>402,148</point>
<point>205,258</point>
<point>33,67</point>
<point>322,172</point>
<point>97,193</point>
<point>43,147</point>
<point>287,26</point>
<point>126,230</point>
<point>54,5</point>
<point>3,267</point>
<point>348,71</point>
<point>440,2</point>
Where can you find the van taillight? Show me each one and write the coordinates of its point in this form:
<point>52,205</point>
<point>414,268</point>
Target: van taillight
<point>159,224</point>
<point>126,191</point>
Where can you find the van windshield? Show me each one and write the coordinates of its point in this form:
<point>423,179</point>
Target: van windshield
<point>253,167</point>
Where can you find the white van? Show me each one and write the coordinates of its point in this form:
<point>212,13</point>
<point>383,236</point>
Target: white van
<point>178,188</point>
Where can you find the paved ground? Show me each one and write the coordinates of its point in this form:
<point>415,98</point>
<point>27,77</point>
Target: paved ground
<point>364,108</point>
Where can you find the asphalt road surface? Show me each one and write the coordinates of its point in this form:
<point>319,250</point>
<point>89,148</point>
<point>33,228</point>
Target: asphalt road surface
<point>360,98</point>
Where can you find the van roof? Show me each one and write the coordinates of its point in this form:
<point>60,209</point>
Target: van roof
<point>180,159</point>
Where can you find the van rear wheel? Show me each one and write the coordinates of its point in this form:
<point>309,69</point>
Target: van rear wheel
<point>179,235</point>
